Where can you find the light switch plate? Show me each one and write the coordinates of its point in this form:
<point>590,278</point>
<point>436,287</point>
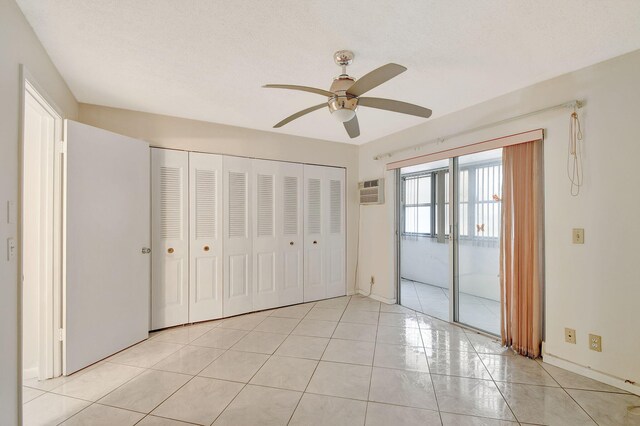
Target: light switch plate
<point>11,248</point>
<point>578,235</point>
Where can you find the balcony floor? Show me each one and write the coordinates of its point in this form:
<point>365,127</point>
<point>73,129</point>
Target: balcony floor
<point>478,312</point>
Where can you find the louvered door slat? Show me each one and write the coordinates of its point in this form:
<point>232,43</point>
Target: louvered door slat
<point>237,205</point>
<point>335,208</point>
<point>206,203</point>
<point>170,202</point>
<point>265,192</point>
<point>314,206</point>
<point>290,205</point>
<point>334,238</point>
<point>170,250</point>
<point>206,248</point>
<point>238,235</point>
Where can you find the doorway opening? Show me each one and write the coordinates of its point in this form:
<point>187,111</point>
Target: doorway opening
<point>449,245</point>
<point>41,235</point>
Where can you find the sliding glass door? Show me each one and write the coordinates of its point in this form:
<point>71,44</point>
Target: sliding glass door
<point>431,261</point>
<point>424,236</point>
<point>477,212</point>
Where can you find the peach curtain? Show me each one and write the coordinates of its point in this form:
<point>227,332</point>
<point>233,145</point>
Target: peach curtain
<point>521,245</point>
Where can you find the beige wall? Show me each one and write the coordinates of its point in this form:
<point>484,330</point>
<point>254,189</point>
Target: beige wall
<point>178,133</point>
<point>18,45</point>
<point>594,287</point>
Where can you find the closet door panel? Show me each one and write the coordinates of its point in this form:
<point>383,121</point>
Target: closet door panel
<point>205,242</point>
<point>290,229</point>
<point>266,250</point>
<point>334,232</point>
<point>238,243</point>
<point>314,254</point>
<point>169,231</point>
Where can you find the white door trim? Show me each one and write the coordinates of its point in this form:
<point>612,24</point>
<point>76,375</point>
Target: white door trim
<point>50,364</point>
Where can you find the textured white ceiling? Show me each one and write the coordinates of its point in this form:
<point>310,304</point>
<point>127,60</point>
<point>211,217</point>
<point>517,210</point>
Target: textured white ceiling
<point>206,59</point>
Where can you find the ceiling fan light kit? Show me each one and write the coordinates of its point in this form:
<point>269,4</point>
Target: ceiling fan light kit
<point>344,95</point>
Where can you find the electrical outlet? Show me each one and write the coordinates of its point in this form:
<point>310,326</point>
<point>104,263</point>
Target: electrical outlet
<point>570,335</point>
<point>595,342</point>
<point>578,235</point>
<point>373,280</point>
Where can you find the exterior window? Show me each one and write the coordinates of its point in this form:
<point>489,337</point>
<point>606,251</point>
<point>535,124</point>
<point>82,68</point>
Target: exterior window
<point>426,202</point>
<point>418,204</point>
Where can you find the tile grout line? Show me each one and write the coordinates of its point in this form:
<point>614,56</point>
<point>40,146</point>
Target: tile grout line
<point>260,368</point>
<point>433,386</point>
<point>373,361</point>
<point>495,384</point>
<point>568,394</point>
<point>317,364</point>
<point>144,369</point>
<point>420,327</point>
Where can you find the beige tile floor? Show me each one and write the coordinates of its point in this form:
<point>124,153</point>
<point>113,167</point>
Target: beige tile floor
<point>344,361</point>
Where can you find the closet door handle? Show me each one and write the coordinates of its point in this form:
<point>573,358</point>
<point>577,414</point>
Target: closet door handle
<point>290,243</point>
<point>315,242</point>
<point>205,248</point>
<point>170,250</point>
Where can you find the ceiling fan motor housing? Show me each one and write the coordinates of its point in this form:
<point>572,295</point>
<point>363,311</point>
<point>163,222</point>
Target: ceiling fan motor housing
<point>342,99</point>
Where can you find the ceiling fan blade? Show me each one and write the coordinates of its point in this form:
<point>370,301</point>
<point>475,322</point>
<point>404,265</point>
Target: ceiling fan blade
<point>352,127</point>
<point>301,88</point>
<point>396,106</point>
<point>375,78</point>
<point>299,114</point>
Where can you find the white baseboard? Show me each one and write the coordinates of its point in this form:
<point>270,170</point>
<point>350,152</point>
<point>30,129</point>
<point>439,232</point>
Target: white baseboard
<point>590,373</point>
<point>30,373</point>
<point>378,298</point>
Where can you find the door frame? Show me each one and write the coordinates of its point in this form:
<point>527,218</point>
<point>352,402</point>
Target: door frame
<point>453,243</point>
<point>50,364</point>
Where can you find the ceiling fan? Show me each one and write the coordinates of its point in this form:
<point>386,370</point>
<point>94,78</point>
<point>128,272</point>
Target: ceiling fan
<point>345,95</point>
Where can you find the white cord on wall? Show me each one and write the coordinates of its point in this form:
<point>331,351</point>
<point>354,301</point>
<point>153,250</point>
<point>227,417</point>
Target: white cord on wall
<point>574,160</point>
<point>357,283</point>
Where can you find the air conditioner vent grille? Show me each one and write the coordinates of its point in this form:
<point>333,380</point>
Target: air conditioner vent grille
<point>372,191</point>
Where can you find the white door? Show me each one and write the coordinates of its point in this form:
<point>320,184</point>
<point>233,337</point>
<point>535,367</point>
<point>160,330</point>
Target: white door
<point>267,253</point>
<point>238,266</point>
<point>334,233</point>
<point>289,227</point>
<point>205,242</point>
<point>170,238</point>
<point>314,187</point>
<point>107,226</point>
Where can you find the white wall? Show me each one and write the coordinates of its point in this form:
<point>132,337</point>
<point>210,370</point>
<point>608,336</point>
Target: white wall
<point>178,133</point>
<point>426,260</point>
<point>18,45</point>
<point>592,287</point>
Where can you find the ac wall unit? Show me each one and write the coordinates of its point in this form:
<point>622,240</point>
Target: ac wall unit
<point>372,191</point>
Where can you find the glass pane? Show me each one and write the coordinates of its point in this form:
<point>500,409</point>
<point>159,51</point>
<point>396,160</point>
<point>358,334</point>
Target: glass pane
<point>411,191</point>
<point>424,220</point>
<point>478,246</point>
<point>424,259</point>
<point>424,190</point>
<point>411,219</point>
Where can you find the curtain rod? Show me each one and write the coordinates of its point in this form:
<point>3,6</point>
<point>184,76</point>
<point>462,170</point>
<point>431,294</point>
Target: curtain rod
<point>577,104</point>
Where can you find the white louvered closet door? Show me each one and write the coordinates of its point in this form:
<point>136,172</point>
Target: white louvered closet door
<point>238,265</point>
<point>267,265</point>
<point>205,236</point>
<point>290,231</point>
<point>334,232</point>
<point>314,223</point>
<point>170,238</point>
